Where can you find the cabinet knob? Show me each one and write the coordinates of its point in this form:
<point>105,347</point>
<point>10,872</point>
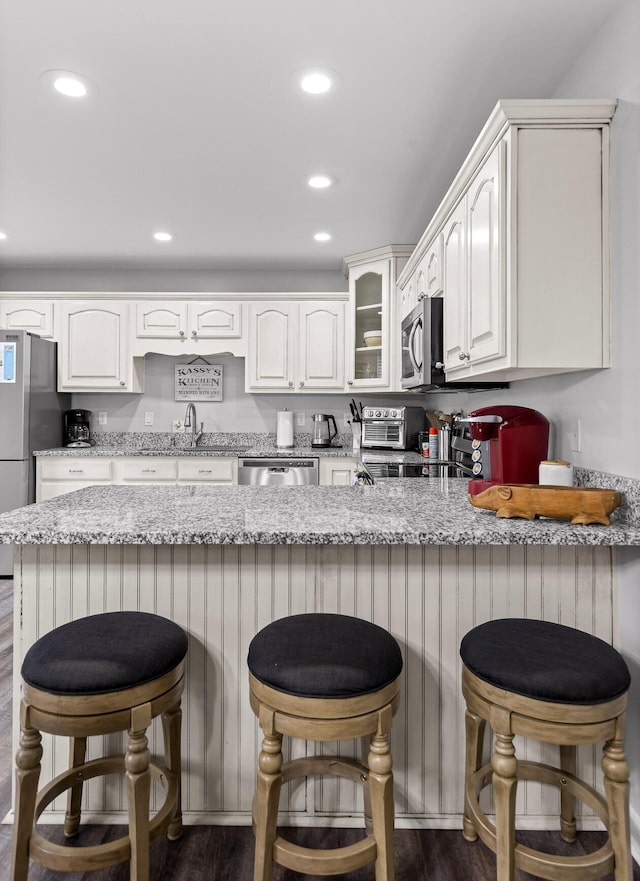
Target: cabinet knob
<point>301,384</point>
<point>349,382</point>
<point>122,382</point>
<point>439,365</point>
<point>421,297</point>
<point>290,385</point>
<point>194,333</point>
<point>464,356</point>
<point>182,333</point>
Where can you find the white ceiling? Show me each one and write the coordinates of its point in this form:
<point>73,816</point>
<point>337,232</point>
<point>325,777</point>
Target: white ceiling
<point>196,125</point>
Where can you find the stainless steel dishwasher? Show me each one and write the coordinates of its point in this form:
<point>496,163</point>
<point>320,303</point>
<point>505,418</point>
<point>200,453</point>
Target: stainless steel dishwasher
<point>277,472</point>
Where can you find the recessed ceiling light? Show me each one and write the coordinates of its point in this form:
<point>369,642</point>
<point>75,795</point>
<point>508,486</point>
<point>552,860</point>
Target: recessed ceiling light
<point>162,236</point>
<point>68,83</point>
<point>320,181</point>
<point>3,236</point>
<point>322,237</point>
<point>317,80</point>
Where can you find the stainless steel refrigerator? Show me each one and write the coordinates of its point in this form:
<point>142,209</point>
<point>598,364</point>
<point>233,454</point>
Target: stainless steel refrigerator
<point>30,418</point>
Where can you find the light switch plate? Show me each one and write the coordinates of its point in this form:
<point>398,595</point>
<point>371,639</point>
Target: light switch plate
<point>102,417</point>
<point>148,418</point>
<point>178,426</point>
<point>301,419</point>
<point>575,437</point>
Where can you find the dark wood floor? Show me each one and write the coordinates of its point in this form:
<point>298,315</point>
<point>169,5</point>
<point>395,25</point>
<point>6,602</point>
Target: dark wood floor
<point>225,853</point>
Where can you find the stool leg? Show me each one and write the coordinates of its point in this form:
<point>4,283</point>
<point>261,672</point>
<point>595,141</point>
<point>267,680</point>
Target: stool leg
<point>28,759</point>
<point>381,793</point>
<point>567,801</point>
<point>77,754</point>
<point>616,786</point>
<point>136,762</point>
<point>505,768</point>
<point>172,731</point>
<point>474,728</point>
<point>268,785</point>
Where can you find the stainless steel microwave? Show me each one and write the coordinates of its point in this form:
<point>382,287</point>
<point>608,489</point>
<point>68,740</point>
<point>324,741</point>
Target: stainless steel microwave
<point>422,346</point>
<point>422,350</point>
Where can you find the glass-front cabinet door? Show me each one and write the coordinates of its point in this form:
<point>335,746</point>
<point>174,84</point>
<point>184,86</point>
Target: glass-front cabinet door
<point>369,299</point>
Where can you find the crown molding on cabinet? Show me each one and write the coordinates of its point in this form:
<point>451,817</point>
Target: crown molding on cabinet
<point>243,296</point>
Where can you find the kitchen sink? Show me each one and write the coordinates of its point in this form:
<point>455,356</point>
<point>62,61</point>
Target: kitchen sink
<point>219,449</point>
<point>178,451</point>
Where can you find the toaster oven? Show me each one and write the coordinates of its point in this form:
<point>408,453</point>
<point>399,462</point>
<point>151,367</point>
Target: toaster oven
<point>392,428</point>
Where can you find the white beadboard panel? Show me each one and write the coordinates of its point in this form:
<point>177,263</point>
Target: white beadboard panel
<point>428,597</point>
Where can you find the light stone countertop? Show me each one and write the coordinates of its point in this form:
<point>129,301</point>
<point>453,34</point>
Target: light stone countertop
<point>397,511</point>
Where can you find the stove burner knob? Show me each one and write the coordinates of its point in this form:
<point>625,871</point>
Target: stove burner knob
<point>378,413</point>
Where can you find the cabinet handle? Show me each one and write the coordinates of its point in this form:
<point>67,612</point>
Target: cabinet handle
<point>464,356</point>
<point>148,470</point>
<point>204,470</point>
<point>76,470</point>
<point>301,384</point>
<point>290,385</point>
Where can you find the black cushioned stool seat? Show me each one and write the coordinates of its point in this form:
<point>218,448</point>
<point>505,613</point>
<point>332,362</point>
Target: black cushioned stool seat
<point>324,677</point>
<point>558,685</point>
<point>97,675</point>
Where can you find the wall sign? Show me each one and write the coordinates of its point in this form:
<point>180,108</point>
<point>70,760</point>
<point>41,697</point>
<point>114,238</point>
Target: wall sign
<point>198,382</point>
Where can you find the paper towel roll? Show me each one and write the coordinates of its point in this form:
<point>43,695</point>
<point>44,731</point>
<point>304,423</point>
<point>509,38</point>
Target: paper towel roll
<point>284,429</point>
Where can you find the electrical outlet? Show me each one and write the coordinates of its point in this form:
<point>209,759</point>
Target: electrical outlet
<point>575,437</point>
<point>148,418</point>
<point>102,417</point>
<point>178,426</point>
<point>345,419</point>
<point>301,419</point>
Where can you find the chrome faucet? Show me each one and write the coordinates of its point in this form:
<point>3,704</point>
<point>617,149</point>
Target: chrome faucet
<point>190,421</point>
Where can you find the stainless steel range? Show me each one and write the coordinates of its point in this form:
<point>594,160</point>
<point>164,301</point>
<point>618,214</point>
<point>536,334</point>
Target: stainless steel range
<point>392,428</point>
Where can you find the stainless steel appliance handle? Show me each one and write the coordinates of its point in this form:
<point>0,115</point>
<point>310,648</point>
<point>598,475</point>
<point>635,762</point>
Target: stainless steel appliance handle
<point>412,334</point>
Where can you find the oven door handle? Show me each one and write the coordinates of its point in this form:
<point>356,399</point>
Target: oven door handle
<point>412,334</point>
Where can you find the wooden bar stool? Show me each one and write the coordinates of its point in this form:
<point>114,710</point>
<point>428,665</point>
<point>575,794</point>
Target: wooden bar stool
<point>324,677</point>
<point>98,675</point>
<point>556,685</point>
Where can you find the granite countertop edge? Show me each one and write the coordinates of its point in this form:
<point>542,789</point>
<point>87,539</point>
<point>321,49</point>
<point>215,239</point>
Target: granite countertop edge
<point>392,512</point>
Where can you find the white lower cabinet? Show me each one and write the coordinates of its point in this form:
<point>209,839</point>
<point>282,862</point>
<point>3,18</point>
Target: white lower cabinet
<point>336,472</point>
<point>57,476</point>
<point>145,469</point>
<point>296,347</point>
<point>223,470</point>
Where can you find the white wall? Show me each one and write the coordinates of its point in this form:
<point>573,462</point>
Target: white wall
<point>238,411</point>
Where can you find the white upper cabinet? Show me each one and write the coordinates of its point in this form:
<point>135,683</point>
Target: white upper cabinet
<point>525,245</point>
<point>94,348</point>
<point>35,316</point>
<point>166,319</point>
<point>321,347</point>
<point>473,281</point>
<point>372,348</point>
<point>295,346</point>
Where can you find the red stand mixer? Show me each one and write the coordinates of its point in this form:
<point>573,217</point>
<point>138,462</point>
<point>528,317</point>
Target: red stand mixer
<point>508,443</point>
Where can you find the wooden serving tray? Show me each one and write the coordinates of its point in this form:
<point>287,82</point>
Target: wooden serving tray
<point>529,500</point>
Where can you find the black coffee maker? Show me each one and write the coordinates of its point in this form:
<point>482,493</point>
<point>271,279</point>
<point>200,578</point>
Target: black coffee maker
<point>77,428</point>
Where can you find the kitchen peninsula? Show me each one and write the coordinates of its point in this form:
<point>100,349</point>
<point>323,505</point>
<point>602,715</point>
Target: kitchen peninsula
<point>410,555</point>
